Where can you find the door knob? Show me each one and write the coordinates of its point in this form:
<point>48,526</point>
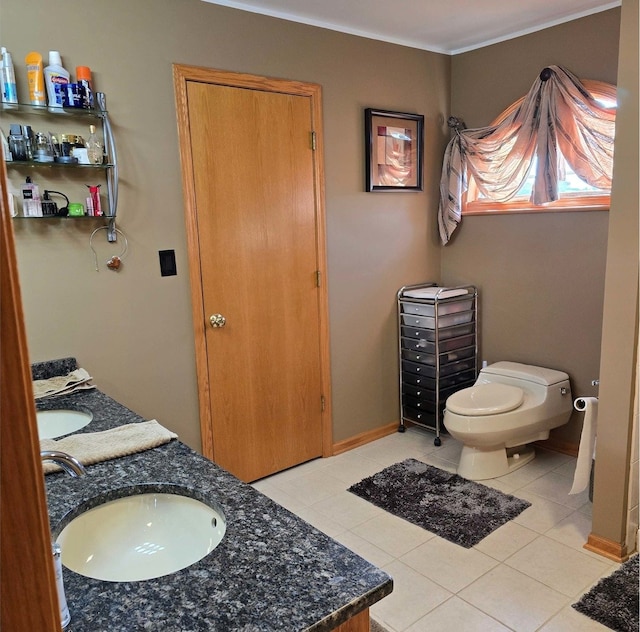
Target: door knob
<point>217,320</point>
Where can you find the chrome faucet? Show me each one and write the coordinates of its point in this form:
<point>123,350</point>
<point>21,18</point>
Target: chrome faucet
<point>68,463</point>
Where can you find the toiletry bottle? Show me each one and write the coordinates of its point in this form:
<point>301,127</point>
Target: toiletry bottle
<point>83,77</point>
<point>65,616</point>
<point>35,79</point>
<point>31,206</point>
<point>9,90</point>
<point>94,147</point>
<point>94,206</point>
<point>54,74</point>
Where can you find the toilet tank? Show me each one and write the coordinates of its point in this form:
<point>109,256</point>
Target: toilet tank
<point>525,372</point>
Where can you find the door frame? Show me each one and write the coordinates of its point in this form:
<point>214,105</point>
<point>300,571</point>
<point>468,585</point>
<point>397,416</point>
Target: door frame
<point>181,75</point>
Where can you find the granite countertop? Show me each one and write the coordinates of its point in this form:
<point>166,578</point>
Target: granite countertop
<point>271,572</point>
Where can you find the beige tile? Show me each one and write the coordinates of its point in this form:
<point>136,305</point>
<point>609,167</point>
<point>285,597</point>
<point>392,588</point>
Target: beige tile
<point>573,531</point>
<point>352,468</point>
<point>514,599</point>
<point>586,509</point>
<point>277,495</point>
<point>433,458</point>
<point>506,540</point>
<point>570,620</point>
<point>311,487</point>
<point>392,534</point>
<point>501,596</point>
<point>543,514</point>
<point>556,487</point>
<point>544,463</point>
<point>347,509</point>
<point>459,616</point>
<point>298,471</point>
<point>413,596</point>
<point>387,452</point>
<point>556,565</point>
<point>363,548</point>
<point>567,469</point>
<point>449,565</point>
<point>448,451</point>
<point>500,484</point>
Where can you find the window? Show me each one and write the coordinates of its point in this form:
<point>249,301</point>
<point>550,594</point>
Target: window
<point>574,193</point>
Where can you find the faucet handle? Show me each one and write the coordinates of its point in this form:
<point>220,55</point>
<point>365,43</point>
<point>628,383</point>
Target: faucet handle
<point>68,463</point>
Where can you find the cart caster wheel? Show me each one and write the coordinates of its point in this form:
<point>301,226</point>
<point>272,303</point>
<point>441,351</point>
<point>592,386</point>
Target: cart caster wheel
<point>401,428</point>
<point>437,442</point>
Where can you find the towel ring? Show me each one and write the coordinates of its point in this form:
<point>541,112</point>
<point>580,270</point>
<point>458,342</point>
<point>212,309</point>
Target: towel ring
<point>115,261</point>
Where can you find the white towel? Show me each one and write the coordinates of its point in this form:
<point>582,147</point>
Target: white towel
<point>94,447</point>
<point>432,292</point>
<point>61,384</point>
<point>586,450</point>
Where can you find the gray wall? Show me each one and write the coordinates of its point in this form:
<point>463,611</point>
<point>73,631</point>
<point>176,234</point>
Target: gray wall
<point>133,330</point>
<point>541,276</point>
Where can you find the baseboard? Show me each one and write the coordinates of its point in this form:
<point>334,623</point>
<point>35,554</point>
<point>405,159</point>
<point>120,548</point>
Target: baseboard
<point>364,438</point>
<point>556,445</point>
<point>615,551</point>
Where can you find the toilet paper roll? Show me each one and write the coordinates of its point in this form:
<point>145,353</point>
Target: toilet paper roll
<point>586,451</point>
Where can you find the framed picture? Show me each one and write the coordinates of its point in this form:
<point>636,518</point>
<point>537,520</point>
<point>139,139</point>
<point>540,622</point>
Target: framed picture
<point>393,150</point>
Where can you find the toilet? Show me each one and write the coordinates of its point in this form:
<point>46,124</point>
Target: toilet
<point>509,406</point>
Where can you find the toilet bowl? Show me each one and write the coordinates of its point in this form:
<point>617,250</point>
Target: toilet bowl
<point>509,406</point>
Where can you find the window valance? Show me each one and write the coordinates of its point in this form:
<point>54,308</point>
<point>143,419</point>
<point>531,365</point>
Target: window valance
<point>558,115</point>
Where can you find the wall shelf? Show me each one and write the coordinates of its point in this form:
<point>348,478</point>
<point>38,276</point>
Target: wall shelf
<point>109,169</point>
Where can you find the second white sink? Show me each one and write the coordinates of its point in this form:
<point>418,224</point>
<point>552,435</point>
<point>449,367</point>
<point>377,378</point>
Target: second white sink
<point>56,423</point>
<point>141,537</point>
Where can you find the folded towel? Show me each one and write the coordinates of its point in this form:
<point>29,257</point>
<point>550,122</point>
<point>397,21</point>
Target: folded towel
<point>61,384</point>
<point>432,292</point>
<point>94,447</point>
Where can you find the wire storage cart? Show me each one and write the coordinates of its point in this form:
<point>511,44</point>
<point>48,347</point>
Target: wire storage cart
<point>438,350</point>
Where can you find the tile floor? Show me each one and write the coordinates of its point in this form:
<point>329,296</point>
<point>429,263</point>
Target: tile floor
<point>523,577</point>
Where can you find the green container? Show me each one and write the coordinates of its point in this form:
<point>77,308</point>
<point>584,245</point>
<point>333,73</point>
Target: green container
<point>76,209</point>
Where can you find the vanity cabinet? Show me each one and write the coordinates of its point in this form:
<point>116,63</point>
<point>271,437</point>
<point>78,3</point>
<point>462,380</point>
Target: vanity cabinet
<point>64,121</point>
<point>437,349</point>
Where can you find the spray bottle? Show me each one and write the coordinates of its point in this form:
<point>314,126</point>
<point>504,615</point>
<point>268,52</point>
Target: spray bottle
<point>9,89</point>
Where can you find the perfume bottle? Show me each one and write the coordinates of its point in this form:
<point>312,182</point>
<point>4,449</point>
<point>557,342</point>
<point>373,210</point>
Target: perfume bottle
<point>94,147</point>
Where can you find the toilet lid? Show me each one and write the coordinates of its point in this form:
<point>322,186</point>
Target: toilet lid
<point>485,399</point>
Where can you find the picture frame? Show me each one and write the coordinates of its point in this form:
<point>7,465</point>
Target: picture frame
<point>394,143</point>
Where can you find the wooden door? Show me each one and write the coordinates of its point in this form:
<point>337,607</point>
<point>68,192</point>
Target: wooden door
<point>28,597</point>
<point>257,250</point>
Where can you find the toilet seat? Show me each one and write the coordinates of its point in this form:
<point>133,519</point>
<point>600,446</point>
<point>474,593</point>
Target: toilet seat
<point>485,399</point>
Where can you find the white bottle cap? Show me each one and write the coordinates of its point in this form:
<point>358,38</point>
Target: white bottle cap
<point>54,58</point>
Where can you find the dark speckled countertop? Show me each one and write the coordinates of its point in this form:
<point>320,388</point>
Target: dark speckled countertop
<point>271,572</point>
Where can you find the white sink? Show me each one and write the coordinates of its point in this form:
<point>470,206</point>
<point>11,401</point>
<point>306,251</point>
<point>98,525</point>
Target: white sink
<point>141,537</point>
<point>55,423</point>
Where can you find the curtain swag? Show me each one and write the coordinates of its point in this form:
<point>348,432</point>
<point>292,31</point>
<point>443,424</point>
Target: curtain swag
<point>557,115</point>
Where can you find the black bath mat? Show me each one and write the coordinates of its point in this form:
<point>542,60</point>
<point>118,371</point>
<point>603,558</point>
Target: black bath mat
<point>614,600</point>
<point>456,509</point>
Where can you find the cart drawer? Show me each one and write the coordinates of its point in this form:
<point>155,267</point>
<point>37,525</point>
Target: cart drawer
<point>412,339</point>
<point>430,358</point>
<point>430,334</point>
<point>427,309</point>
<point>429,322</point>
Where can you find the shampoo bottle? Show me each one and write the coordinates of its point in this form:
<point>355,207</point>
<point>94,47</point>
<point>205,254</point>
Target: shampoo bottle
<point>9,90</point>
<point>35,79</point>
<point>55,74</point>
